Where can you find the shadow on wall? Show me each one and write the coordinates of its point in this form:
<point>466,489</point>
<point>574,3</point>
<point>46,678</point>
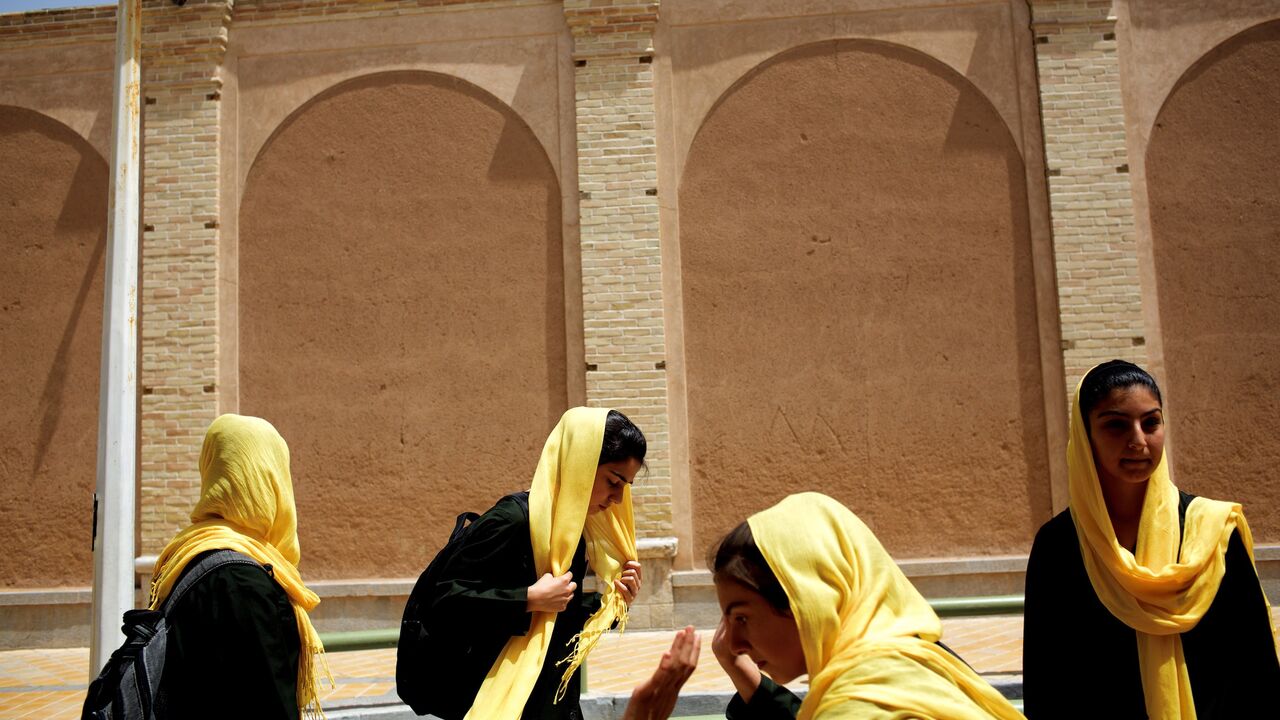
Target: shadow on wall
<point>401,312</point>
<point>1215,222</point>
<point>53,206</point>
<point>860,314</point>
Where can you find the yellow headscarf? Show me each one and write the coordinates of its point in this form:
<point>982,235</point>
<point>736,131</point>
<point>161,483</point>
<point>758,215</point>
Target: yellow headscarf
<point>868,635</point>
<point>1155,592</point>
<point>246,504</point>
<point>558,520</point>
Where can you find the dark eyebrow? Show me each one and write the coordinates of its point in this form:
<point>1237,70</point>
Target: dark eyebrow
<point>1117,413</point>
<point>729,608</point>
<point>621,477</point>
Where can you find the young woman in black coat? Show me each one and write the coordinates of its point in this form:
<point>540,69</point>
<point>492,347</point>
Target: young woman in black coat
<point>1141,600</point>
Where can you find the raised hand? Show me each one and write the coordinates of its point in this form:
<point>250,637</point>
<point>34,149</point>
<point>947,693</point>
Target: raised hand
<point>551,593</point>
<point>741,670</point>
<point>629,584</point>
<point>655,698</point>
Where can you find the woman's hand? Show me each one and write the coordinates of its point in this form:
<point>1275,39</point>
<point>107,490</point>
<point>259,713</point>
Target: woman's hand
<point>655,698</point>
<point>741,670</point>
<point>629,583</point>
<point>551,593</point>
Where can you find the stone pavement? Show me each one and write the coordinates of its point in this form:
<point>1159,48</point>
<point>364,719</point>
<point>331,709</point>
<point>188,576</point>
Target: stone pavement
<point>49,684</point>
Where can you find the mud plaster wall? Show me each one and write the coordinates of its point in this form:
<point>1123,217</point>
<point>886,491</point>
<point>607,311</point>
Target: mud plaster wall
<point>856,251</point>
<point>401,312</point>
<point>53,211</point>
<point>1215,223</point>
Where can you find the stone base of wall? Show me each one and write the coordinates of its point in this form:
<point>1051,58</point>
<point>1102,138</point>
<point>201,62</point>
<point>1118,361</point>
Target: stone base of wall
<point>60,617</point>
<point>695,596</point>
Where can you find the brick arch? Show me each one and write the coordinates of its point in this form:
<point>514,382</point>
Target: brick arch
<point>1215,225</point>
<point>859,308</point>
<point>401,312</point>
<point>54,186</point>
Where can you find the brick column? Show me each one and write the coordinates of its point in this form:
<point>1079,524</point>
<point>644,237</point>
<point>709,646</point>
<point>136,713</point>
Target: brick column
<point>1091,203</point>
<point>621,258</point>
<point>183,48</point>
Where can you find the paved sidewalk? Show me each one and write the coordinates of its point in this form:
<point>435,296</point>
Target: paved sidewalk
<point>50,684</point>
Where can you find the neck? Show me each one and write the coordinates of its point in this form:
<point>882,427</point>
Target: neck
<point>1124,506</point>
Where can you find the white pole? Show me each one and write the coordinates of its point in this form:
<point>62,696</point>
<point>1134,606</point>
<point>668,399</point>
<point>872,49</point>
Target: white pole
<point>118,397</point>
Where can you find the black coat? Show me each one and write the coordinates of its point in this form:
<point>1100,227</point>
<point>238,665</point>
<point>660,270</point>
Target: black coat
<point>1079,660</point>
<point>232,649</point>
<point>770,701</point>
<point>484,589</point>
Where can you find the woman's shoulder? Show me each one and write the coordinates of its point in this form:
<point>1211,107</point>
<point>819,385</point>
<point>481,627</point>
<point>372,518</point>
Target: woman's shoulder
<point>1058,528</point>
<point>233,597</point>
<point>236,582</point>
<point>509,508</point>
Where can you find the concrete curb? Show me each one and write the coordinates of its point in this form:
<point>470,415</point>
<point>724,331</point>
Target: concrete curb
<point>611,707</point>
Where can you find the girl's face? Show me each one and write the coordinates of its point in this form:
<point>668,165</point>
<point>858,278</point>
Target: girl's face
<point>611,479</point>
<point>760,631</point>
<point>1126,432</point>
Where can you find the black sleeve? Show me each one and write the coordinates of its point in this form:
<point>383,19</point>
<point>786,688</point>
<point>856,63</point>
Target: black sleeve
<point>770,701</point>
<point>1231,653</point>
<point>488,580</point>
<point>233,644</point>
<point>1047,657</point>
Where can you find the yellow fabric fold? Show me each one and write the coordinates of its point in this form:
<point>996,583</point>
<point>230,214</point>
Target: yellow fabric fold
<point>867,633</point>
<point>1155,592</point>
<point>558,520</point>
<point>246,504</point>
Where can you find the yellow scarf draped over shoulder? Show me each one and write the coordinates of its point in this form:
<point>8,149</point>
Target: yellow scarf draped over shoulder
<point>867,633</point>
<point>1154,590</point>
<point>558,520</point>
<point>246,504</point>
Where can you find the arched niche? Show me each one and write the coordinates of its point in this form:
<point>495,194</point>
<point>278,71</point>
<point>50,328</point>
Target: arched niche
<point>53,208</point>
<point>859,307</point>
<point>1215,226</point>
<point>401,312</point>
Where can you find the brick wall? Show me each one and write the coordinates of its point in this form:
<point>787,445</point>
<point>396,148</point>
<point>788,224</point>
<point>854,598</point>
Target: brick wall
<point>286,11</point>
<point>1091,206</point>
<point>49,28</point>
<point>1092,218</point>
<point>182,50</point>
<point>621,259</point>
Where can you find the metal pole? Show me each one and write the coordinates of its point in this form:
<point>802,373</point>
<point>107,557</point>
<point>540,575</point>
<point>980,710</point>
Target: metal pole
<point>118,397</point>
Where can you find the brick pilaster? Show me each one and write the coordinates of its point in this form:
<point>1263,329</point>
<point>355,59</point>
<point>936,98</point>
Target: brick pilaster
<point>1091,203</point>
<point>621,259</point>
<point>183,48</point>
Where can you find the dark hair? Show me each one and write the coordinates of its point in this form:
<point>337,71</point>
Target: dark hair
<point>622,440</point>
<point>1109,376</point>
<point>736,557</point>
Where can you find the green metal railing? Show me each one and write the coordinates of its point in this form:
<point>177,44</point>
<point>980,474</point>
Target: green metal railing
<point>360,640</point>
<point>978,606</point>
<point>945,607</point>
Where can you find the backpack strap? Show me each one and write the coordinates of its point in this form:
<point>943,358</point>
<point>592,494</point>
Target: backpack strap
<point>204,566</point>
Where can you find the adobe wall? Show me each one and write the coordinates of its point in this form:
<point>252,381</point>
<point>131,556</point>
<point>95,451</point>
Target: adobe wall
<point>866,246</point>
<point>401,312</point>
<point>859,311</point>
<point>1215,214</point>
<point>866,291</point>
<point>53,208</point>
<point>1200,136</point>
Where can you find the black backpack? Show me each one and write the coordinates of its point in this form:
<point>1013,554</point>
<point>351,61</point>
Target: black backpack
<point>126,689</point>
<point>427,671</point>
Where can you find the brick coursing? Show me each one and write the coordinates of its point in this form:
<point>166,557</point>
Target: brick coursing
<point>623,325</point>
<point>289,11</point>
<point>1091,202</point>
<point>1100,296</point>
<point>183,49</point>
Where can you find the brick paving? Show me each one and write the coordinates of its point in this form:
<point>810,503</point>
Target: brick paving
<point>49,684</point>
